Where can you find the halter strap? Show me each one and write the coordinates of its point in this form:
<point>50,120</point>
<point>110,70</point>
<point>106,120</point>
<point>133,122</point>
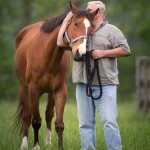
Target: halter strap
<point>67,37</point>
<point>80,37</point>
<point>74,40</point>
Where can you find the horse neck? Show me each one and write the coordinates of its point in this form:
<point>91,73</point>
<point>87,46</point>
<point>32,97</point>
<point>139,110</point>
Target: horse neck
<point>54,53</point>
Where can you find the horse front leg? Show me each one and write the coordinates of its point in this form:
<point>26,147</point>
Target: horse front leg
<point>36,119</point>
<point>48,117</point>
<point>60,101</point>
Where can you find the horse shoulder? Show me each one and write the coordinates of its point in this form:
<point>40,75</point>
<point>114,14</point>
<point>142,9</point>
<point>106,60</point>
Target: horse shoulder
<point>24,32</point>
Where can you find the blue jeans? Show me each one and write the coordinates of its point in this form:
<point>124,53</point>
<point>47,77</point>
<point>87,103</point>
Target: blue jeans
<point>106,107</point>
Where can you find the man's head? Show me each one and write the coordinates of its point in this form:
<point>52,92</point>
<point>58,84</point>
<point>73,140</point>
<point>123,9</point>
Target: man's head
<point>93,5</point>
<point>78,29</point>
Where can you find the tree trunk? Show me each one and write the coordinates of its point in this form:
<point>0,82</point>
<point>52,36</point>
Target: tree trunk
<point>143,83</point>
<point>27,16</point>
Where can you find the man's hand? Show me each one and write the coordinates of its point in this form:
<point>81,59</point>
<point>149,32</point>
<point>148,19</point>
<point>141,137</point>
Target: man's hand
<point>98,54</point>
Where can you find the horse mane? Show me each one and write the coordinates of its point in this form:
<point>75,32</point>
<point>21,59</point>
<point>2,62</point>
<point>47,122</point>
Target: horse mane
<point>50,24</point>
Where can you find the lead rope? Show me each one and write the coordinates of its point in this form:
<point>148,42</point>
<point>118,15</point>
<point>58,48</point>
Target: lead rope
<point>90,76</point>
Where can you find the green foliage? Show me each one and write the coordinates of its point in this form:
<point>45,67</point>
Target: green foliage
<point>131,17</point>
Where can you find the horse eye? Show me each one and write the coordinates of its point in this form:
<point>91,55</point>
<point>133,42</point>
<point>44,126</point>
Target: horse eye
<point>93,26</point>
<point>76,24</point>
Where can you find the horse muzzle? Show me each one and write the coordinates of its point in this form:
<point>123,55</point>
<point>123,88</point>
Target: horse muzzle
<point>79,57</point>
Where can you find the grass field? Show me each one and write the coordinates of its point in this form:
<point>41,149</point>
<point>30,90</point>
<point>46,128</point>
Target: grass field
<point>134,127</point>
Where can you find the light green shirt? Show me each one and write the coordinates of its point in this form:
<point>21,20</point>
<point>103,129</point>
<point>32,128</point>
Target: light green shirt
<point>107,37</point>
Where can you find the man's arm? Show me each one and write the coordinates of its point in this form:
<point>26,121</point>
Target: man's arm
<point>60,41</point>
<point>113,53</point>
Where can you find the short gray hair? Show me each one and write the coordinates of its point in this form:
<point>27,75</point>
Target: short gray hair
<point>99,4</point>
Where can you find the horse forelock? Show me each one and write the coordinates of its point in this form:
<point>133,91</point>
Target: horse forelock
<point>50,24</point>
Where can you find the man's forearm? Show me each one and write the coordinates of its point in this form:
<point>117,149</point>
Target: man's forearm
<point>113,53</point>
<point>117,52</point>
<point>60,41</point>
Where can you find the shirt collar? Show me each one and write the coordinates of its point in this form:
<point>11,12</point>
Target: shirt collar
<point>102,24</point>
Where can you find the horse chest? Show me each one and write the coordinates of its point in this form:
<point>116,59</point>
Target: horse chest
<point>50,80</point>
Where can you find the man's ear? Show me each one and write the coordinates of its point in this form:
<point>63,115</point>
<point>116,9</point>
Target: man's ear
<point>73,8</point>
<point>94,13</point>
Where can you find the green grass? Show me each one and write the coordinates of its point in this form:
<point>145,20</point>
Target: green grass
<point>134,128</point>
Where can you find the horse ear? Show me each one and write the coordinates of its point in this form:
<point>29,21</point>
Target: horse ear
<point>94,13</point>
<point>73,8</point>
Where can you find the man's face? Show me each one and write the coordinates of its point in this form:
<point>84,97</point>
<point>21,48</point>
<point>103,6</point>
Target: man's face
<point>91,8</point>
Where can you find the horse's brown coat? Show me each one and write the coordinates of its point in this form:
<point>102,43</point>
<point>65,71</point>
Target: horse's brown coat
<point>43,67</point>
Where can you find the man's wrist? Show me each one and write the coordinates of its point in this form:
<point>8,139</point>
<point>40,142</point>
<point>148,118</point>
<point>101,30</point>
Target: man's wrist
<point>105,53</point>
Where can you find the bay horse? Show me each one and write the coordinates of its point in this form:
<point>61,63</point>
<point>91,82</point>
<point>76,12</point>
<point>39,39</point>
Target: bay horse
<point>43,67</point>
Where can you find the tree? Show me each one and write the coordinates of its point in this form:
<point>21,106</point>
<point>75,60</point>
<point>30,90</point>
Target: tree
<point>132,17</point>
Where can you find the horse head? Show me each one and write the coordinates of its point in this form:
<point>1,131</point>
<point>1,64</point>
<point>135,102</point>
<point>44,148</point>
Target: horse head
<point>78,30</point>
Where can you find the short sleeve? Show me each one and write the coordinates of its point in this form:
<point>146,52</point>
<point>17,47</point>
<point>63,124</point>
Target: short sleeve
<point>119,40</point>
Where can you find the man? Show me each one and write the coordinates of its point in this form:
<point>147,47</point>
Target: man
<point>108,43</point>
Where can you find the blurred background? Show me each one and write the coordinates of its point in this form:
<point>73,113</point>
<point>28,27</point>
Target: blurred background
<point>131,16</point>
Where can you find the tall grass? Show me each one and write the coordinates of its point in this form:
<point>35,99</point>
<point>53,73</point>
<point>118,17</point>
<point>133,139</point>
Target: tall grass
<point>134,128</point>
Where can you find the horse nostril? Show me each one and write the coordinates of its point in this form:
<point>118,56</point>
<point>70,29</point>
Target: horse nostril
<point>77,54</point>
<point>78,57</point>
<point>83,56</point>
